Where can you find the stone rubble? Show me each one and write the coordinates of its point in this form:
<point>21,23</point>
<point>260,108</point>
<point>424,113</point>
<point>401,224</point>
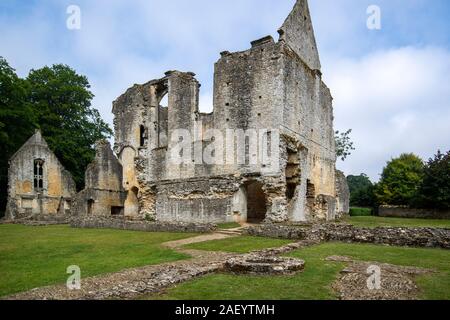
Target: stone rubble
<point>263,265</point>
<point>396,282</point>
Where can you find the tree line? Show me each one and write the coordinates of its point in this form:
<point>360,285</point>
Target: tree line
<point>57,101</point>
<point>406,181</point>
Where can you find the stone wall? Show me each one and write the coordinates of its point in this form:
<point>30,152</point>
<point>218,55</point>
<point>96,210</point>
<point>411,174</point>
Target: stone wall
<point>411,237</point>
<point>342,195</point>
<point>103,194</point>
<point>406,212</point>
<point>273,89</point>
<point>145,226</point>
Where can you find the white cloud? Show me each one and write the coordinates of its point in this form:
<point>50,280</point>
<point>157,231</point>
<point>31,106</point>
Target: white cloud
<point>395,101</point>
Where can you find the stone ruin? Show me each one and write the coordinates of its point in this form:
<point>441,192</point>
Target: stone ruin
<point>266,152</point>
<point>38,183</point>
<point>256,264</point>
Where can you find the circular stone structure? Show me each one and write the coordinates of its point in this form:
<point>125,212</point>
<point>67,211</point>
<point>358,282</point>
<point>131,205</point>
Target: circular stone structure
<point>264,265</point>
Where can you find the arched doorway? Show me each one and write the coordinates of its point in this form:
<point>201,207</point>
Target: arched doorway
<point>256,202</point>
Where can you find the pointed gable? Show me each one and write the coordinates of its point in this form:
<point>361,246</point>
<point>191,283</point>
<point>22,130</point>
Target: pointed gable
<point>35,139</point>
<point>297,32</point>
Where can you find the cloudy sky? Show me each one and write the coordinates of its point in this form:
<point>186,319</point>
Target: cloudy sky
<point>391,86</point>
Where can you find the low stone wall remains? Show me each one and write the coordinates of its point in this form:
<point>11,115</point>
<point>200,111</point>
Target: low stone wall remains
<point>39,220</point>
<point>410,237</point>
<point>99,222</point>
<point>406,212</point>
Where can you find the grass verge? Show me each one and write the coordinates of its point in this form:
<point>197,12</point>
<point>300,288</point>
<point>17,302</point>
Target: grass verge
<point>242,244</point>
<point>316,280</point>
<point>230,225</point>
<point>39,256</point>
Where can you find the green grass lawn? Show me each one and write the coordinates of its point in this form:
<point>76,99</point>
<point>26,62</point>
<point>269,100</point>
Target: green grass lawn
<point>357,212</point>
<point>373,222</point>
<point>241,244</point>
<point>229,225</point>
<point>38,256</point>
<point>316,280</point>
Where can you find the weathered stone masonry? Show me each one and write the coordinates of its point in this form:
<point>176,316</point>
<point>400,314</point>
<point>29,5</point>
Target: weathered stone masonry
<point>37,182</point>
<point>272,92</point>
<point>275,86</point>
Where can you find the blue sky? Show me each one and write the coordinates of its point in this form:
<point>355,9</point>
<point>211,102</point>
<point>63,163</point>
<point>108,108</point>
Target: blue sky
<point>391,86</point>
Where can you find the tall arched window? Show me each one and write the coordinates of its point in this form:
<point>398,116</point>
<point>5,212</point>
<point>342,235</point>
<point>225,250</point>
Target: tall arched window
<point>38,174</point>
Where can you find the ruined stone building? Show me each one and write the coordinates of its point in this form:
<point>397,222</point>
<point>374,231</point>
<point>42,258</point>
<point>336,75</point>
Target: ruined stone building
<point>103,193</point>
<point>274,87</point>
<point>265,153</point>
<point>38,183</point>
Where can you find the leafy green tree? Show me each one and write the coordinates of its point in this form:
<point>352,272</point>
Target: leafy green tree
<point>400,180</point>
<point>61,100</point>
<point>435,189</point>
<point>361,191</point>
<point>17,121</point>
<point>344,145</point>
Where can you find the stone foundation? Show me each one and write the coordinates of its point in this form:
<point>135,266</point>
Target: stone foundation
<point>410,237</point>
<point>138,225</point>
<point>256,264</point>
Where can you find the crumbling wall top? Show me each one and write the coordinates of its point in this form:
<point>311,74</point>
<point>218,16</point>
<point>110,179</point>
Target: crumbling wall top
<point>298,33</point>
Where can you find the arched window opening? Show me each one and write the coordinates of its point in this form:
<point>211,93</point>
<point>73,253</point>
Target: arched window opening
<point>164,101</point>
<point>38,174</point>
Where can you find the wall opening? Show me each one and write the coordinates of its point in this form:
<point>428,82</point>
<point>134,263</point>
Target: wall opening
<point>256,202</point>
<point>90,206</point>
<point>292,173</point>
<point>117,211</point>
<point>163,118</point>
<point>310,190</point>
<point>142,136</point>
<point>38,174</point>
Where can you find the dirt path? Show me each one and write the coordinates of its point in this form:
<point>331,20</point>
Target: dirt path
<point>207,237</point>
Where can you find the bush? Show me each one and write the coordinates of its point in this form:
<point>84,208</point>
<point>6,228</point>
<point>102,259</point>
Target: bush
<point>435,189</point>
<point>361,212</point>
<point>361,191</point>
<point>400,181</point>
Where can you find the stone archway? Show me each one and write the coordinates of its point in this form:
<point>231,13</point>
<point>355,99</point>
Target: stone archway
<point>256,202</point>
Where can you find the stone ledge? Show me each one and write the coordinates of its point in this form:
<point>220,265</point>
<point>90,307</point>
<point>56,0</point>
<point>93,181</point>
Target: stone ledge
<point>140,225</point>
<point>409,237</point>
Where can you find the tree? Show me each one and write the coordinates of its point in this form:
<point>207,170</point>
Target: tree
<point>344,145</point>
<point>61,100</point>
<point>361,191</point>
<point>17,121</point>
<point>400,180</point>
<point>435,189</point>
